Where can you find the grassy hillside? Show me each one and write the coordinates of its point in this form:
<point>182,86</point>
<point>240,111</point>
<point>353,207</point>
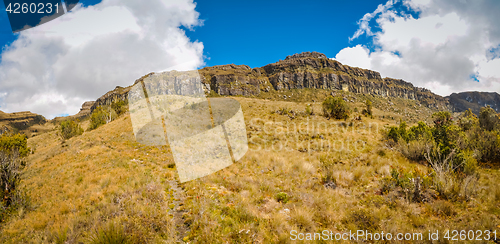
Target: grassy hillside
<point>302,172</point>
<point>78,186</point>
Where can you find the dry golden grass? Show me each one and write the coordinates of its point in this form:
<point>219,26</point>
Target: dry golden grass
<point>248,211</point>
<point>104,177</point>
<point>78,185</point>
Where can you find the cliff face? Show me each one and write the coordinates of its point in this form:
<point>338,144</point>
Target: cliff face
<point>232,80</point>
<point>118,94</point>
<point>312,70</point>
<point>305,70</point>
<point>474,100</point>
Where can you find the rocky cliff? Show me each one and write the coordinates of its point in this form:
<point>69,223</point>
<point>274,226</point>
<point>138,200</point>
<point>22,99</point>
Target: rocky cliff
<point>118,94</point>
<point>305,70</point>
<point>312,70</point>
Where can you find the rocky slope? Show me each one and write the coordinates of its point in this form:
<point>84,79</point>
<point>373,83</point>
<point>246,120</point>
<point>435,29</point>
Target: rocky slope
<point>474,100</point>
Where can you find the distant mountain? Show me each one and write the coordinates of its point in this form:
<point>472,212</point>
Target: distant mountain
<point>474,100</point>
<point>19,120</point>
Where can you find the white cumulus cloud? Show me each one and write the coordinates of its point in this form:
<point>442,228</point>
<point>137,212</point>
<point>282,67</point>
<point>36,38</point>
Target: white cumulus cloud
<point>451,47</point>
<point>53,68</point>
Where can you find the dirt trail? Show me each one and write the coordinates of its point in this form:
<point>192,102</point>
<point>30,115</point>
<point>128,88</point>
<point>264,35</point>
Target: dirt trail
<point>178,210</point>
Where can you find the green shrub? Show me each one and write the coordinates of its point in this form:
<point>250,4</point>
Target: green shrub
<point>485,143</point>
<point>12,149</point>
<point>368,110</point>
<point>282,197</point>
<point>488,118</point>
<point>16,142</point>
<point>12,197</point>
<point>442,118</point>
<point>101,116</point>
<point>70,128</point>
<point>335,107</point>
<point>398,133</point>
<point>309,110</point>
<point>469,165</point>
<point>468,120</point>
<point>10,170</point>
<point>412,184</point>
<point>119,107</point>
<point>448,179</point>
<point>445,133</point>
<point>421,131</point>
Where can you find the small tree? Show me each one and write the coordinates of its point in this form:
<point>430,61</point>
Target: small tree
<point>10,175</point>
<point>99,117</point>
<point>442,119</point>
<point>309,110</point>
<point>368,110</point>
<point>12,149</point>
<point>16,142</point>
<point>468,120</point>
<point>70,128</point>
<point>336,107</point>
<point>488,118</point>
<point>119,107</point>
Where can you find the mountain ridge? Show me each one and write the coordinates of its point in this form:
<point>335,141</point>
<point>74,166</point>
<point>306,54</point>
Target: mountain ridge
<point>474,100</point>
<point>19,120</point>
<point>307,70</point>
<point>299,71</point>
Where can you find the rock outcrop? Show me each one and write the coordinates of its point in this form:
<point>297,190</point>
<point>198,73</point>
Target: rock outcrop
<point>232,80</point>
<point>84,112</point>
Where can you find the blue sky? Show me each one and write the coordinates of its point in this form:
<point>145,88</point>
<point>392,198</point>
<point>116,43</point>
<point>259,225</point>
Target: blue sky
<point>260,32</point>
<point>444,45</point>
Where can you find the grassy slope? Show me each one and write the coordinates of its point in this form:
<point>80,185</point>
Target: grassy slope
<point>79,185</point>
